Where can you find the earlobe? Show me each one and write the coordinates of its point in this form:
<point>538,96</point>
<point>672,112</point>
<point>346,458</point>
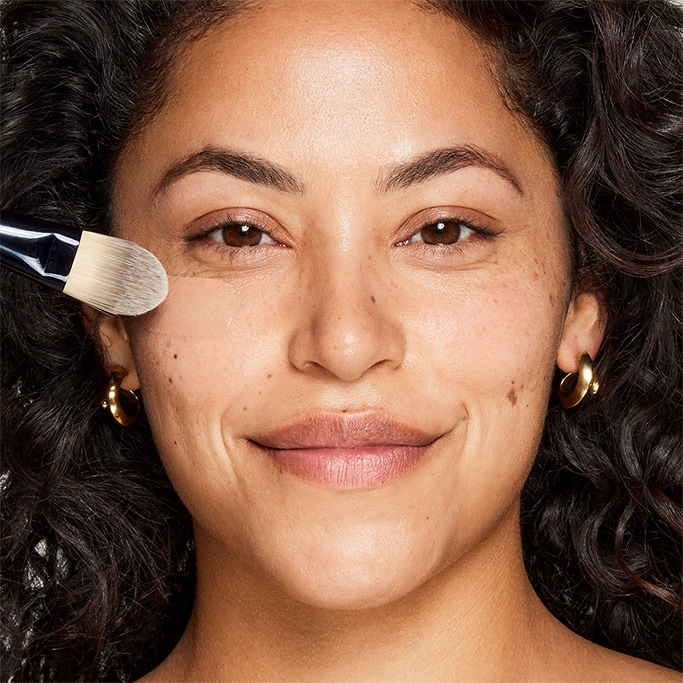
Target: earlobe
<point>584,329</point>
<point>112,335</point>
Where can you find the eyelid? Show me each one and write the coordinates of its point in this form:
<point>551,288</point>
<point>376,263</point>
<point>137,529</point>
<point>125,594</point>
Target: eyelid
<point>220,228</point>
<point>424,219</point>
<point>208,224</point>
<point>412,240</point>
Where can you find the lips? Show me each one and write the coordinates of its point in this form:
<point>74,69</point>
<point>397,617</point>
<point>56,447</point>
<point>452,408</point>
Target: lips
<point>346,451</point>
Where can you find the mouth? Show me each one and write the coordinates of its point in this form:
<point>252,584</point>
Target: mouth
<point>346,450</point>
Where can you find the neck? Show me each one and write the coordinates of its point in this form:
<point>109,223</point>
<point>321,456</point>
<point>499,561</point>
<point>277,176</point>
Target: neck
<point>477,619</point>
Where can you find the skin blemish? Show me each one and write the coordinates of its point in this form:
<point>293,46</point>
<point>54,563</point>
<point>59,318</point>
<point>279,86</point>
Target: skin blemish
<point>270,376</point>
<point>170,380</point>
<point>372,298</point>
<point>175,355</point>
<point>512,396</point>
<point>244,408</point>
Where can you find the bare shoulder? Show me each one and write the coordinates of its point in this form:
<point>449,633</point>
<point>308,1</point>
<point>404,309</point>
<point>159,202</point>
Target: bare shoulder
<point>622,668</point>
<point>598,664</point>
<point>570,658</point>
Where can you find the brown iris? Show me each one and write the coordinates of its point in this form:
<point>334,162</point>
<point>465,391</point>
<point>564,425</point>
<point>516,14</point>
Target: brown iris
<point>241,235</point>
<point>442,232</point>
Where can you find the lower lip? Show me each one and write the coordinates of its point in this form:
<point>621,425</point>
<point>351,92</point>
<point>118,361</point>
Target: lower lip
<point>361,467</point>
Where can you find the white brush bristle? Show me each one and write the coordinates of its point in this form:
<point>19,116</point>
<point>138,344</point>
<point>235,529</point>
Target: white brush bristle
<point>116,276</point>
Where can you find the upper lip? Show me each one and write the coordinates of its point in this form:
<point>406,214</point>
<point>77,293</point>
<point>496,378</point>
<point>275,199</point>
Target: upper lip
<point>344,430</point>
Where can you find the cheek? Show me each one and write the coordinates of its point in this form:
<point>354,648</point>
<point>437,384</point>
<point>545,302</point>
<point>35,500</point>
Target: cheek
<point>496,337</point>
<point>198,356</point>
<point>492,344</point>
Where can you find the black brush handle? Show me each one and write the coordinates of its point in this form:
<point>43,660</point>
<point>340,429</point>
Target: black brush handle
<point>40,249</point>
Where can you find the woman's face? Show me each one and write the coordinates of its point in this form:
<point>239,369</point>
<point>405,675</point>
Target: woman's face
<point>370,279</point>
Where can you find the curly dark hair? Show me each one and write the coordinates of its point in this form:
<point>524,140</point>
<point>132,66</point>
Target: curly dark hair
<point>97,552</point>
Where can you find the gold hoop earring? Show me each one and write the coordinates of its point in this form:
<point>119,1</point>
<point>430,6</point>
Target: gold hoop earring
<point>575,385</point>
<point>123,404</point>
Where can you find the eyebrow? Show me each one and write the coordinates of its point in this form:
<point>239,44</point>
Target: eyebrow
<point>442,161</point>
<point>237,164</point>
<point>262,172</point>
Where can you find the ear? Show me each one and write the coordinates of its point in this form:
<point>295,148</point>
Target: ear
<point>114,342</point>
<point>584,329</point>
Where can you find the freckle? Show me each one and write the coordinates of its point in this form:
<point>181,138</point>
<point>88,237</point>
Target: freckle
<point>260,392</point>
<point>175,355</point>
<point>244,408</point>
<point>512,396</point>
<point>372,298</point>
<point>175,443</point>
<point>270,376</point>
<point>170,379</point>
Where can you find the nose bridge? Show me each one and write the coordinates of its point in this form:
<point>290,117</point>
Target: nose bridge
<point>348,326</point>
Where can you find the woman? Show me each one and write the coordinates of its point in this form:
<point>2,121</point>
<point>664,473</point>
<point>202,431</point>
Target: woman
<point>390,229</point>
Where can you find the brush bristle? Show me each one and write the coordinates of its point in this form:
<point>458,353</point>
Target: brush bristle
<point>116,276</point>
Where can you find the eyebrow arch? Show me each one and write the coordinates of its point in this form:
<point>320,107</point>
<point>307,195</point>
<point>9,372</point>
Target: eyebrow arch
<point>442,161</point>
<point>237,164</point>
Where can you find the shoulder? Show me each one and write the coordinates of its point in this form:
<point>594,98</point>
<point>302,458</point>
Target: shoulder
<point>591,662</point>
<point>567,657</point>
<point>618,667</point>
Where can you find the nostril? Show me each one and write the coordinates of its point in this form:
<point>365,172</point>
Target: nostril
<point>345,341</point>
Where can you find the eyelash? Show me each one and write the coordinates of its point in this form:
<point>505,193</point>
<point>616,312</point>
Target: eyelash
<point>442,222</point>
<point>476,232</point>
<point>210,238</point>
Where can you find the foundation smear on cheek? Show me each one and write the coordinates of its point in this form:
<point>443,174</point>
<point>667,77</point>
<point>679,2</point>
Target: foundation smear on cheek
<point>195,308</point>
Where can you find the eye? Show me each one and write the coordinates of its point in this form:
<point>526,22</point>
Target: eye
<point>239,234</point>
<point>442,232</point>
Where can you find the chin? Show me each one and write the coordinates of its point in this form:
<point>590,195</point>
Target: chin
<point>362,574</point>
<point>359,592</point>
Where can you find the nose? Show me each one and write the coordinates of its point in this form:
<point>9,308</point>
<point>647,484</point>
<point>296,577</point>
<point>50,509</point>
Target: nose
<point>348,323</point>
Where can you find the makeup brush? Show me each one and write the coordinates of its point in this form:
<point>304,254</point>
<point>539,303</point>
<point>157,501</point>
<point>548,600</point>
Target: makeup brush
<point>110,274</point>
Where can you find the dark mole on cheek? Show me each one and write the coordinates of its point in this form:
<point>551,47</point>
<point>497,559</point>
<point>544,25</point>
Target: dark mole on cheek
<point>244,408</point>
<point>175,355</point>
<point>372,298</point>
<point>270,376</point>
<point>512,396</point>
<point>170,379</point>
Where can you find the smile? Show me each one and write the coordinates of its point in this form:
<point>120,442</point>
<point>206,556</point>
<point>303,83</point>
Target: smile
<point>346,451</point>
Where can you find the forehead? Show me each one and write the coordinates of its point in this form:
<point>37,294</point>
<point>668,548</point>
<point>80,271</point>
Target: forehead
<point>343,84</point>
<point>332,48</point>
